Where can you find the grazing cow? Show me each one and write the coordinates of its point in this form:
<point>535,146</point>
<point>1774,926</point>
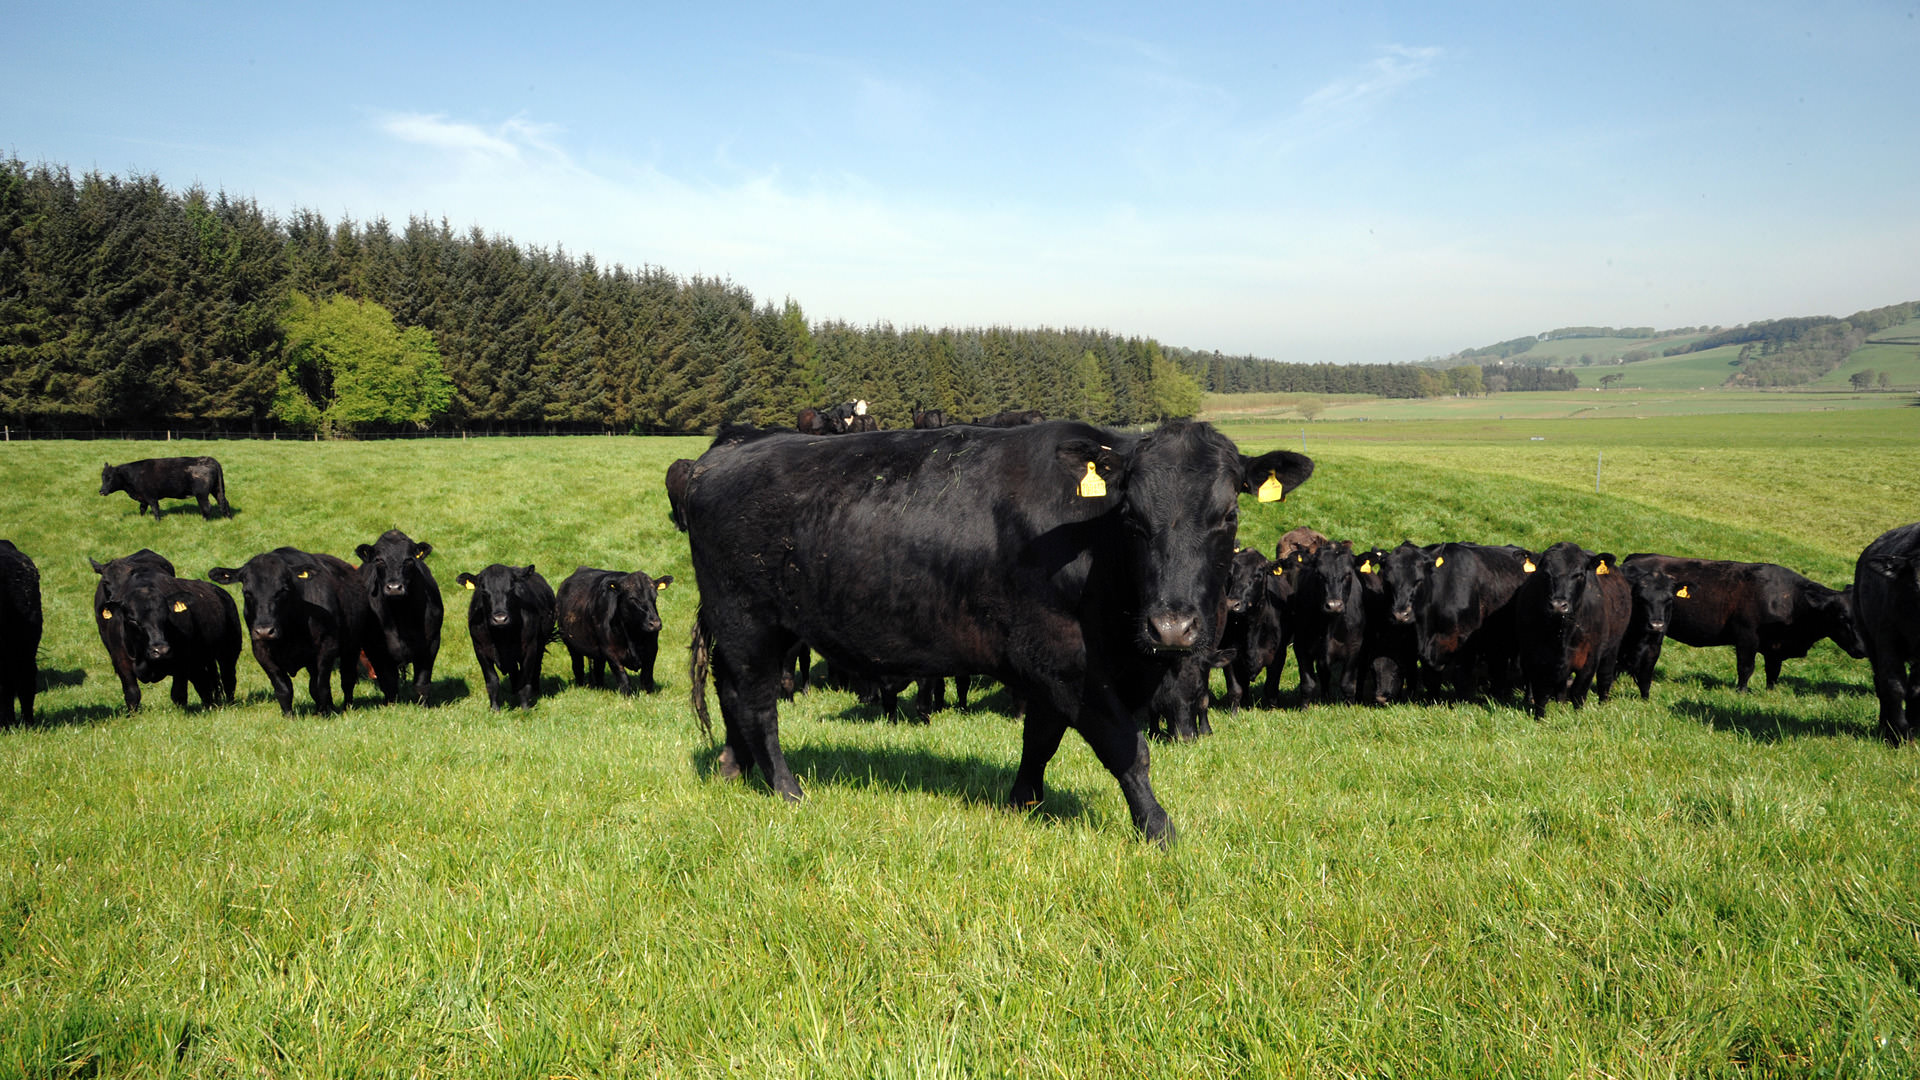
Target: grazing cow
<point>1331,610</point>
<point>1011,418</point>
<point>1637,648</point>
<point>170,627</point>
<point>612,618</point>
<point>20,628</point>
<point>1756,608</point>
<point>407,612</point>
<point>1562,618</point>
<point>510,618</point>
<point>1460,596</point>
<point>1070,562</point>
<point>925,419</point>
<point>677,474</point>
<point>152,479</point>
<point>304,610</point>
<point>1886,591</point>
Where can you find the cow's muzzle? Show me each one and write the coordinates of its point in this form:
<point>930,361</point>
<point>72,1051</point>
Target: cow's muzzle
<point>1173,632</point>
<point>1560,607</point>
<point>396,588</point>
<point>265,633</point>
<point>498,618</point>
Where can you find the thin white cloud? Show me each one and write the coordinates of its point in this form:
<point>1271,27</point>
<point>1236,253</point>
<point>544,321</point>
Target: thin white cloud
<point>1380,79</point>
<point>435,130</point>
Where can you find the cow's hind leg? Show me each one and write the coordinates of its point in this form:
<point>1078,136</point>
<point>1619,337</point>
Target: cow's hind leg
<point>748,702</point>
<point>1894,689</point>
<point>1743,666</point>
<point>1773,670</point>
<point>206,508</point>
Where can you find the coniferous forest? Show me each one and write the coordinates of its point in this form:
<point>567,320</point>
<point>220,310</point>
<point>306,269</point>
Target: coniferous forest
<point>125,304</point>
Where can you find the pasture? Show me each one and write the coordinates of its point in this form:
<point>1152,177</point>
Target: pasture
<point>1704,884</point>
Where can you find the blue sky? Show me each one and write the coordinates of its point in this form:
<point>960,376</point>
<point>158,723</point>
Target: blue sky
<point>1366,182</point>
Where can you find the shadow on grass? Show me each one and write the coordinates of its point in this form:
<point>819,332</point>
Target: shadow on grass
<point>74,715</point>
<point>973,780</point>
<point>1761,723</point>
<point>1824,687</point>
<point>51,679</point>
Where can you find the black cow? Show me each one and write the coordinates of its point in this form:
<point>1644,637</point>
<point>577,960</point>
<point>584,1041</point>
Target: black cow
<point>510,618</point>
<point>20,627</point>
<point>170,627</point>
<point>404,600</point>
<point>115,581</point>
<point>612,618</point>
<point>1330,610</point>
<point>1562,619</point>
<point>1070,562</point>
<point>1886,591</point>
<point>1390,652</point>
<point>152,479</point>
<point>1759,608</point>
<point>1178,708</point>
<point>1011,418</point>
<point>677,474</point>
<point>1635,649</point>
<point>1460,595</point>
<point>304,610</point>
<point>1252,624</point>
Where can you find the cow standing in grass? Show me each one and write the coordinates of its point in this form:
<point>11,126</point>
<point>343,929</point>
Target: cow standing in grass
<point>611,618</point>
<point>20,627</point>
<point>510,617</point>
<point>1073,563</point>
<point>1886,586</point>
<point>152,479</point>
<point>1562,618</point>
<point>1758,608</point>
<point>304,610</point>
<point>404,601</point>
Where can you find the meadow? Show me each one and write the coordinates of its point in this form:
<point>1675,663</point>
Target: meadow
<point>1703,884</point>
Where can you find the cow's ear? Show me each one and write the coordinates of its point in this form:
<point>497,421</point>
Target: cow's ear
<point>465,579</point>
<point>98,566</point>
<point>223,575</point>
<point>178,602</point>
<point>1346,546</point>
<point>1680,593</point>
<point>110,610</point>
<point>1092,467</point>
<point>365,551</point>
<point>1271,475</point>
<point>422,549</point>
<point>613,584</point>
<point>527,570</point>
<point>660,583</point>
<point>1602,563</point>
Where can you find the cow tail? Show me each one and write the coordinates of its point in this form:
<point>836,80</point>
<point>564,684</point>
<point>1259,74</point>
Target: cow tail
<point>699,660</point>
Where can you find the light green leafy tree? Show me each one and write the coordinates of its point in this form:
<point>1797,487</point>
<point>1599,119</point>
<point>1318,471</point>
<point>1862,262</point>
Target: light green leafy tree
<point>345,364</point>
<point>1172,392</point>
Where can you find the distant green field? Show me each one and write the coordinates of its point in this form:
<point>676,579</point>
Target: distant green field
<point>1588,402</point>
<point>1705,884</point>
<point>1569,350</point>
<point>1901,362</point>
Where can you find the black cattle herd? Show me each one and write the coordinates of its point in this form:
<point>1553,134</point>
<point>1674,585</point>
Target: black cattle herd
<point>1093,572</point>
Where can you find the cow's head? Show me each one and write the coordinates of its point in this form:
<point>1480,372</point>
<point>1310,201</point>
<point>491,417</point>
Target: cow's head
<point>392,565</point>
<point>1405,572</point>
<point>1839,621</point>
<point>152,620</point>
<point>1654,591</point>
<point>274,586</point>
<point>1178,491</point>
<point>1333,578</point>
<point>635,608</point>
<point>111,480</point>
<point>1568,571</point>
<point>496,593</point>
<point>1246,579</point>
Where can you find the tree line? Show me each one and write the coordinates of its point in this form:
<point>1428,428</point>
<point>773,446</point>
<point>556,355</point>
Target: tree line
<point>123,303</point>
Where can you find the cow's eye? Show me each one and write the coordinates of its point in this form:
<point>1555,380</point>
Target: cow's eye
<point>1231,519</point>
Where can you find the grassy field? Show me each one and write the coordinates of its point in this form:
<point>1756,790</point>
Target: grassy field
<point>1585,403</point>
<point>1703,884</point>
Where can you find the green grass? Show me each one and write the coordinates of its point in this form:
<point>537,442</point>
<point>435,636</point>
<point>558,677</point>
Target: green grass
<point>1703,884</point>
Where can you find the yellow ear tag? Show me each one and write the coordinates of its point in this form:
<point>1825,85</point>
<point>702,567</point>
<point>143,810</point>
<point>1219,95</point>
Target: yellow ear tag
<point>468,584</point>
<point>1602,569</point>
<point>1439,560</point>
<point>304,575</point>
<point>1271,489</point>
<point>1366,567</point>
<point>1528,566</point>
<point>105,614</point>
<point>660,586</point>
<point>179,605</point>
<point>1091,486</point>
<point>1682,594</point>
<point>1278,570</point>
